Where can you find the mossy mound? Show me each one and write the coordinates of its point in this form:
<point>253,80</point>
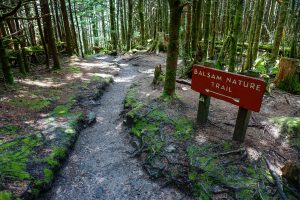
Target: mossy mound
<point>289,127</point>
<point>29,161</point>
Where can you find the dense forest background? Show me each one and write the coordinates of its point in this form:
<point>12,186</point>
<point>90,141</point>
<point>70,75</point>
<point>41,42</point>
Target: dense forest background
<point>236,34</point>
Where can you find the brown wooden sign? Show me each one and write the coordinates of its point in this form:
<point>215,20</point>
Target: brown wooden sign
<point>240,90</point>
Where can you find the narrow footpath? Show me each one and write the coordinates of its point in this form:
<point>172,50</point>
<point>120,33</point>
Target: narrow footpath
<point>100,166</point>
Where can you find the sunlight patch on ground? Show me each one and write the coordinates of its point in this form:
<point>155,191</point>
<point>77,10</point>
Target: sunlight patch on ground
<point>253,153</point>
<point>74,76</point>
<point>275,131</point>
<point>125,80</point>
<point>100,75</point>
<point>43,83</point>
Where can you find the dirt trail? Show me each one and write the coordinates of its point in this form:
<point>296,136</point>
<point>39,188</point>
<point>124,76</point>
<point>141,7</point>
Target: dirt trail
<point>100,166</point>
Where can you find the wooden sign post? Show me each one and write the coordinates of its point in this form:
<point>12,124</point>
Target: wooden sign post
<point>243,91</point>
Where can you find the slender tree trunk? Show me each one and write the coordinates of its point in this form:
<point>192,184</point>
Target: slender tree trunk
<point>279,29</point>
<point>12,28</point>
<point>188,31</point>
<point>214,28</point>
<point>235,35</point>
<point>67,27</point>
<point>58,21</point>
<point>142,22</point>
<point>4,64</point>
<point>123,32</point>
<point>37,15</point>
<point>258,29</point>
<point>73,30</point>
<point>48,31</point>
<point>30,26</point>
<point>78,29</point>
<point>206,28</point>
<point>130,31</point>
<point>249,59</point>
<point>195,22</point>
<point>103,26</point>
<point>296,35</point>
<point>173,47</point>
<point>113,31</point>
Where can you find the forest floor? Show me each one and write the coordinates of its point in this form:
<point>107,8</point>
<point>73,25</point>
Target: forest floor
<point>101,165</point>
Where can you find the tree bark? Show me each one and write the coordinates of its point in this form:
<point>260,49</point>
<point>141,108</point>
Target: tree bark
<point>279,29</point>
<point>64,12</point>
<point>173,47</point>
<point>113,31</point>
<point>48,32</point>
<point>130,31</point>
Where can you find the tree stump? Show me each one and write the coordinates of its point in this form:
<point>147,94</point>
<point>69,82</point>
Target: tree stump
<point>287,67</point>
<point>157,74</point>
<point>291,171</point>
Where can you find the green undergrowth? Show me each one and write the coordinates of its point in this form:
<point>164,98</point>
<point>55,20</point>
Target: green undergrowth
<point>290,84</point>
<point>5,195</point>
<point>224,167</point>
<point>289,126</point>
<point>35,157</point>
<point>36,104</point>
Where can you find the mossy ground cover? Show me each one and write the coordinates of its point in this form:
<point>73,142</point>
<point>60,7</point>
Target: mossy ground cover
<point>289,127</point>
<point>163,136</point>
<point>40,120</point>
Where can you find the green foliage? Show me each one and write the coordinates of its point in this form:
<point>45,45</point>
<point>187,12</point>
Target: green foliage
<point>14,156</point>
<point>183,128</point>
<point>210,169</point>
<point>290,84</point>
<point>61,110</point>
<point>9,130</point>
<point>36,104</point>
<point>130,99</point>
<point>289,126</point>
<point>5,195</point>
<point>48,175</point>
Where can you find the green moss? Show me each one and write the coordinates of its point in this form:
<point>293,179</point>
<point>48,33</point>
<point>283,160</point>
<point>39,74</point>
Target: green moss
<point>209,169</point>
<point>289,126</point>
<point>290,84</point>
<point>15,156</point>
<point>130,99</point>
<point>183,128</point>
<point>61,110</point>
<point>73,69</point>
<point>5,195</point>
<point>159,115</point>
<point>9,130</point>
<point>33,104</point>
<point>48,175</point>
<point>141,126</point>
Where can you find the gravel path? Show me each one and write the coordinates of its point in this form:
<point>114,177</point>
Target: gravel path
<point>100,167</point>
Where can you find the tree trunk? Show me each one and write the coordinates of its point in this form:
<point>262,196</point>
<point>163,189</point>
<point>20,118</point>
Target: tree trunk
<point>12,28</point>
<point>74,35</point>
<point>188,31</point>
<point>206,28</point>
<point>130,31</point>
<point>142,22</point>
<point>48,32</point>
<point>258,29</point>
<point>64,12</point>
<point>235,34</point>
<point>173,47</point>
<point>37,15</point>
<point>249,59</point>
<point>6,69</point>
<point>279,29</point>
<point>30,26</point>
<point>113,31</point>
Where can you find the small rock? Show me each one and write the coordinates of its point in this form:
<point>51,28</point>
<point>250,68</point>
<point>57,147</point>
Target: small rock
<point>99,192</point>
<point>91,118</point>
<point>171,148</point>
